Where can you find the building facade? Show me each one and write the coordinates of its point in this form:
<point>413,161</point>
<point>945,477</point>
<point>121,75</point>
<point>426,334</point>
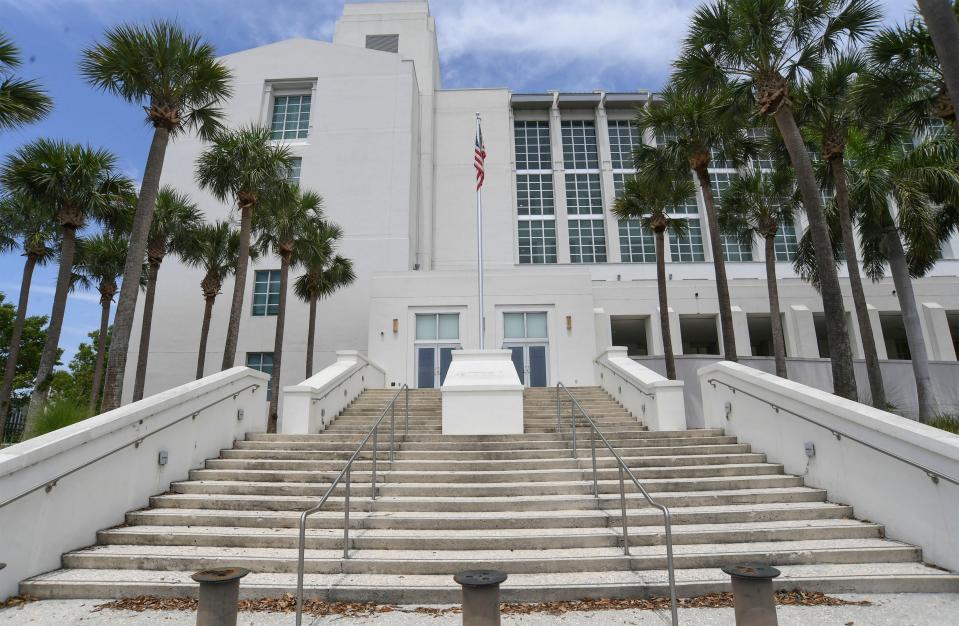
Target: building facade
<point>391,152</point>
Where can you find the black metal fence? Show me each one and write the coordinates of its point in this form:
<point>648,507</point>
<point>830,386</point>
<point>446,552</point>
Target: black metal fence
<point>15,423</point>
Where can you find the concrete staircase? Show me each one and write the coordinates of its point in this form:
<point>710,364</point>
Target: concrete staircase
<point>521,504</point>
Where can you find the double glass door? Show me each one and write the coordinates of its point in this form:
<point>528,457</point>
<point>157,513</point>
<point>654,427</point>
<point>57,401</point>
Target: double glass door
<point>530,362</point>
<point>432,363</point>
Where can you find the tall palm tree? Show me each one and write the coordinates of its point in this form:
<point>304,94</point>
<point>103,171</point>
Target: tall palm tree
<point>650,198</point>
<point>325,274</point>
<point>940,19</point>
<point>21,101</point>
<point>214,249</point>
<point>828,108</point>
<point>174,217</point>
<point>764,49</point>
<point>242,166</point>
<point>918,181</point>
<point>29,226</point>
<point>177,79</point>
<point>758,202</point>
<point>289,214</point>
<point>689,126</point>
<point>79,183</point>
<point>100,262</point>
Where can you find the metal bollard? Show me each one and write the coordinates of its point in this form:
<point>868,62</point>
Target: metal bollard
<point>480,596</point>
<point>219,595</point>
<point>753,594</point>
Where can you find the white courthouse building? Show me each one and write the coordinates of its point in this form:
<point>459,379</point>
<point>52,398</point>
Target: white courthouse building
<point>391,152</point>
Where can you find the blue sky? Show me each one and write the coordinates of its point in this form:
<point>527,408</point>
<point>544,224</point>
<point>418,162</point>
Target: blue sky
<point>526,45</point>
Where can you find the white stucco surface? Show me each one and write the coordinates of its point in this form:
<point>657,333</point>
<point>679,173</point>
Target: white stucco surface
<point>650,397</point>
<point>482,394</point>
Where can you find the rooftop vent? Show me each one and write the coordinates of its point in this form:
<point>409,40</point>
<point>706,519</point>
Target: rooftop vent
<point>384,43</point>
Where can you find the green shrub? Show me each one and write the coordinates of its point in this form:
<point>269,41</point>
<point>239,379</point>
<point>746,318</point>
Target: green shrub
<point>58,413</point>
<point>947,422</point>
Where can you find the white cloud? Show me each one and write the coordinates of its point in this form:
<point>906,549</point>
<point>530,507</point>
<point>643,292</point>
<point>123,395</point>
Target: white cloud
<point>79,296</point>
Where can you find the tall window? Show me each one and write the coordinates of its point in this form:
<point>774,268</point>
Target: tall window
<point>623,139</point>
<point>263,362</point>
<point>636,243</point>
<point>786,243</point>
<point>584,200</point>
<point>266,292</point>
<point>733,248</point>
<point>293,175</point>
<point>536,226</point>
<point>291,117</point>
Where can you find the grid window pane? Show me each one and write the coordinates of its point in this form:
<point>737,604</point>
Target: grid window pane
<point>291,117</point>
<point>716,160</point>
<point>293,174</point>
<point>762,161</point>
<point>619,183</point>
<point>733,248</point>
<point>535,325</point>
<point>449,325</point>
<point>537,241</point>
<point>636,244</point>
<point>513,326</point>
<point>266,292</point>
<point>587,241</point>
<point>534,194</point>
<point>263,362</point>
<point>689,247</point>
<point>786,242</point>
<point>579,145</point>
<point>426,326</point>
<point>623,139</point>
<point>583,195</point>
<point>532,146</point>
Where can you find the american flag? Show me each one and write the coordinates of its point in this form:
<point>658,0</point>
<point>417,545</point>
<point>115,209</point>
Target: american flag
<point>479,157</point>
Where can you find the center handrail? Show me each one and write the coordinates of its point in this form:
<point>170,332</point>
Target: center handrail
<point>623,468</point>
<point>346,471</point>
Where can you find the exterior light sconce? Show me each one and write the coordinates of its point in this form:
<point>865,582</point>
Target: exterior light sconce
<point>569,322</point>
<point>396,325</point>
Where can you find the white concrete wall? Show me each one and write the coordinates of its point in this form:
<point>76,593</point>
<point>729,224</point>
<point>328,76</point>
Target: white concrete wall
<point>651,398</point>
<point>39,527</point>
<point>313,404</point>
<point>909,503</point>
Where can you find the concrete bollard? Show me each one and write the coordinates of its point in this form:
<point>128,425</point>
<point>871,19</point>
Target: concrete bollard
<point>753,597</point>
<point>480,596</point>
<point>219,595</point>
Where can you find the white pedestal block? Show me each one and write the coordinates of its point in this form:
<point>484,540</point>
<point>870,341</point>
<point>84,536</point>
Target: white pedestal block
<point>482,394</point>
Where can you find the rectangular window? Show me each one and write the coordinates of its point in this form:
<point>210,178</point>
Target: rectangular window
<point>524,325</point>
<point>733,248</point>
<point>537,241</point>
<point>437,326</point>
<point>262,362</point>
<point>587,241</point>
<point>623,139</point>
<point>266,292</point>
<point>534,194</point>
<point>619,183</point>
<point>786,242</point>
<point>383,43</point>
<point>579,145</point>
<point>293,174</point>
<point>689,247</point>
<point>583,195</point>
<point>636,244</point>
<point>291,117</point>
<point>762,161</point>
<point>532,146</point>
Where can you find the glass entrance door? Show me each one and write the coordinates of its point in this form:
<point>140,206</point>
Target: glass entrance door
<point>432,364</point>
<point>525,335</point>
<point>530,363</point>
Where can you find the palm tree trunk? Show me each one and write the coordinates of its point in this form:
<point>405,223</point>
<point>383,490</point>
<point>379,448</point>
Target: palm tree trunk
<point>311,331</point>
<point>10,369</point>
<point>876,389</point>
<point>239,287</point>
<point>278,344</point>
<point>132,269</point>
<point>204,334</point>
<point>101,353</point>
<point>899,268</point>
<point>144,349</point>
<point>775,316</point>
<point>944,31</point>
<point>840,353</point>
<point>48,358</point>
<point>719,265</point>
<point>664,306</point>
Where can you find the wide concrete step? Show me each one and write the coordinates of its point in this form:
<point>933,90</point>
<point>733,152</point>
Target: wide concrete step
<point>416,437</point>
<point>451,444</point>
<point>449,562</point>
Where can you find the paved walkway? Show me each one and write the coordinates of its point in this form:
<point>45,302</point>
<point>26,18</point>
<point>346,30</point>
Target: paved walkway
<point>887,610</point>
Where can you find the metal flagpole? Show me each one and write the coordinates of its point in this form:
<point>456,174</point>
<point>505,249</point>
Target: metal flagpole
<point>479,244</point>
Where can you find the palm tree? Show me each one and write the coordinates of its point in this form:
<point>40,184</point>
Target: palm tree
<point>650,198</point>
<point>758,202</point>
<point>242,166</point>
<point>289,214</point>
<point>21,101</point>
<point>325,274</point>
<point>828,109</point>
<point>100,262</point>
<point>689,126</point>
<point>764,49</point>
<point>940,19</point>
<point>174,217</point>
<point>177,79</point>
<point>78,183</point>
<point>918,181</point>
<point>214,249</point>
<point>29,226</point>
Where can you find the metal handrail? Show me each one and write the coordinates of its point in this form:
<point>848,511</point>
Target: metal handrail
<point>932,474</point>
<point>347,471</point>
<point>627,381</point>
<point>623,469</point>
<point>50,484</point>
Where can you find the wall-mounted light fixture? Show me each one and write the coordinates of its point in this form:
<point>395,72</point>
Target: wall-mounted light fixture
<point>569,322</point>
<point>396,325</point>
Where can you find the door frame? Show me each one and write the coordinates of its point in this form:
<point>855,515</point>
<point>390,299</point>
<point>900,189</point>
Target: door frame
<point>526,344</point>
<point>436,346</point>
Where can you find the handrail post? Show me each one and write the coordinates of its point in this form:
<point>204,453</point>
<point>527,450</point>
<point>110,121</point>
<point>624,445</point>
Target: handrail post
<point>670,569</point>
<point>559,427</point>
<point>346,514</point>
<point>392,431</point>
<point>299,570</point>
<point>572,419</point>
<point>407,433</point>
<point>622,510</point>
<point>375,431</point>
<point>592,445</point>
